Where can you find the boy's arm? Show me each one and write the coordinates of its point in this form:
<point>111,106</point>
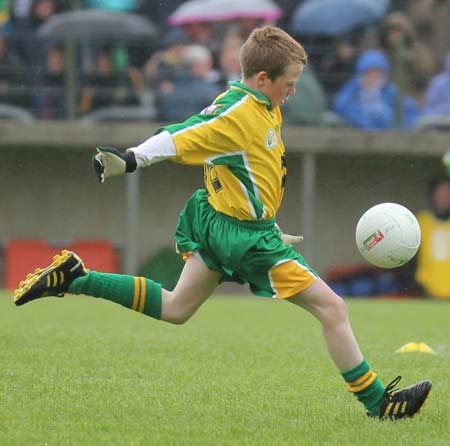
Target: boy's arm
<point>110,162</point>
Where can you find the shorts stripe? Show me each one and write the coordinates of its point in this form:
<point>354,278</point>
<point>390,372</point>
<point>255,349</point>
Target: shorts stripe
<point>289,277</point>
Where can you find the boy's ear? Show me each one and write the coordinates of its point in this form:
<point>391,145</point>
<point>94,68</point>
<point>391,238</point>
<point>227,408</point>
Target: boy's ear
<point>262,77</point>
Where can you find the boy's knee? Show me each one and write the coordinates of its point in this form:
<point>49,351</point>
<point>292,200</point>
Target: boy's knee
<point>336,310</point>
<point>178,319</point>
<point>174,311</point>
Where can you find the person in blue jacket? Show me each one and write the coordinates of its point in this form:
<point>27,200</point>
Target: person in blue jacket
<point>437,96</point>
<point>370,100</point>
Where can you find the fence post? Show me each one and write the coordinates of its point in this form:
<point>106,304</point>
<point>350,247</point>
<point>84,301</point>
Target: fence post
<point>307,209</point>
<point>131,223</point>
<point>70,77</point>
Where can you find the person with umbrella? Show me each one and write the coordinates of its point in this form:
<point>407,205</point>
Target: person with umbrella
<point>228,230</point>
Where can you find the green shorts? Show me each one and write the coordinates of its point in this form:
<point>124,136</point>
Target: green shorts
<point>242,251</point>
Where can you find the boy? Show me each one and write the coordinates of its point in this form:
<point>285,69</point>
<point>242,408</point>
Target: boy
<point>228,229</point>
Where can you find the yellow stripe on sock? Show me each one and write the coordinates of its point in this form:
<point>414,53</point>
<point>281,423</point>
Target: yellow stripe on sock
<point>143,295</point>
<point>136,293</point>
<point>361,379</point>
<point>363,382</point>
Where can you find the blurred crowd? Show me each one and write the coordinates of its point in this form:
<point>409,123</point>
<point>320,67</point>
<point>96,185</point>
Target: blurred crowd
<point>391,74</point>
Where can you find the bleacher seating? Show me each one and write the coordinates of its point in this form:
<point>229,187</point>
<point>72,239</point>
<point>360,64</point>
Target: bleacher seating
<point>24,256</point>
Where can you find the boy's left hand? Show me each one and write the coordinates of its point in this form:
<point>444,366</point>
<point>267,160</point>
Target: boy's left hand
<point>291,239</point>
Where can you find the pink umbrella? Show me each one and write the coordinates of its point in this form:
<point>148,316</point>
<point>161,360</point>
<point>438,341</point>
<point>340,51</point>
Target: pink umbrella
<point>219,10</point>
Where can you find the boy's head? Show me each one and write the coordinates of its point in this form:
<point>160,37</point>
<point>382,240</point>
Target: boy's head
<point>270,49</point>
<point>272,62</point>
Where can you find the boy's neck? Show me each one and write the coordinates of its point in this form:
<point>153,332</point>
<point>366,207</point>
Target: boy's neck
<point>252,88</point>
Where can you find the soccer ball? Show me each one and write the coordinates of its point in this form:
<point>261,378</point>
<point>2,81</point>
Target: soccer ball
<point>388,235</point>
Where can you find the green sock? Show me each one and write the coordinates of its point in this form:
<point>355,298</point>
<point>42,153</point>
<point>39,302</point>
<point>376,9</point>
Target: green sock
<point>137,293</point>
<point>366,386</point>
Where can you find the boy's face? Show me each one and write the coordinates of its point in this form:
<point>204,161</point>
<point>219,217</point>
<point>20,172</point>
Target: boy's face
<point>278,90</point>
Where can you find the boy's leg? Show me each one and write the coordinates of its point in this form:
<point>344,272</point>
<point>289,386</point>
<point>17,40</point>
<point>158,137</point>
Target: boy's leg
<point>332,313</point>
<point>146,296</point>
<point>67,275</point>
<point>194,286</point>
<point>321,301</point>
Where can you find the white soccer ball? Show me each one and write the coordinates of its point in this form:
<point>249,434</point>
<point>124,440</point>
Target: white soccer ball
<point>388,235</point>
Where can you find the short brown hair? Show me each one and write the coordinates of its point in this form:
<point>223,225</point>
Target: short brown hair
<point>270,49</point>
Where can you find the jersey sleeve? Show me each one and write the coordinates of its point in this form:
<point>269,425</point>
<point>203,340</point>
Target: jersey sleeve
<point>221,128</point>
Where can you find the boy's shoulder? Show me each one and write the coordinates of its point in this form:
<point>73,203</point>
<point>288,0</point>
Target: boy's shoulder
<point>230,98</point>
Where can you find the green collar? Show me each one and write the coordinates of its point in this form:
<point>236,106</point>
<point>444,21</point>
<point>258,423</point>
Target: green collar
<point>256,94</point>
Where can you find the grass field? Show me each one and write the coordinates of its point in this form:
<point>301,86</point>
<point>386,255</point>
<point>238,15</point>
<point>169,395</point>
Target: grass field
<point>244,371</point>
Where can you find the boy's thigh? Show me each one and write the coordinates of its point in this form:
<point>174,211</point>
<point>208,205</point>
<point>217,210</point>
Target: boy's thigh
<point>280,274</point>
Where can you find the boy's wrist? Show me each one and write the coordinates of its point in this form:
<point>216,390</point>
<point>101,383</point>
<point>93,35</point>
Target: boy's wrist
<point>130,161</point>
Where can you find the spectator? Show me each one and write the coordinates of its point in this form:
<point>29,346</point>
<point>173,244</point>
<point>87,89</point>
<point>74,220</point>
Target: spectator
<point>193,88</point>
<point>163,65</point>
<point>21,13</point>
<point>30,48</point>
<point>229,62</point>
<point>338,66</point>
<point>12,75</point>
<point>431,19</point>
<point>199,60</point>
<point>412,62</point>
<point>433,260</point>
<point>308,105</point>
<point>42,10</point>
<point>437,95</point>
<point>107,86</point>
<point>23,10</point>
<point>51,100</point>
<point>200,33</point>
<point>369,100</point>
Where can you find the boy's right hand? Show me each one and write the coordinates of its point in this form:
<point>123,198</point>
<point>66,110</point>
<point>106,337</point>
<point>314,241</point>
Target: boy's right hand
<point>109,162</point>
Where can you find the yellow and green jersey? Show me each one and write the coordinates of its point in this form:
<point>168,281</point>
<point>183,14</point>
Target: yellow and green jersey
<point>238,141</point>
<point>433,262</point>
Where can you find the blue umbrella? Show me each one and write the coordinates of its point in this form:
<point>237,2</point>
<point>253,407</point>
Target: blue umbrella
<point>336,17</point>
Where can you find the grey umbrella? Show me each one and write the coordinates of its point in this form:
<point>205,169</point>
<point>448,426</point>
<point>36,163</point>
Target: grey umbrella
<point>98,24</point>
<point>336,17</point>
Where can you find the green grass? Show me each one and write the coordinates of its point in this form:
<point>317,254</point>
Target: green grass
<point>243,371</point>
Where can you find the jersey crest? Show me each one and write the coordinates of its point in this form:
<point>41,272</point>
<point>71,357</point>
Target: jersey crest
<point>271,139</point>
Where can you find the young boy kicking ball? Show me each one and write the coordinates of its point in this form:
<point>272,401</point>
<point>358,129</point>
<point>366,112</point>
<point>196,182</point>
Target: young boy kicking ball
<point>228,229</point>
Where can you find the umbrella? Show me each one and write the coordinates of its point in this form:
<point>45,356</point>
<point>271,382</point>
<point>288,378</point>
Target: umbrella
<point>336,17</point>
<point>97,24</point>
<point>219,10</point>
